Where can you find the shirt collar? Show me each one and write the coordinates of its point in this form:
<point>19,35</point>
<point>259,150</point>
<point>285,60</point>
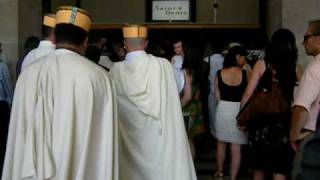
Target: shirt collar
<point>46,43</point>
<point>132,55</point>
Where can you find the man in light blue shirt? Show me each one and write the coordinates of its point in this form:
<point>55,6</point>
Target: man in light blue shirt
<point>215,62</point>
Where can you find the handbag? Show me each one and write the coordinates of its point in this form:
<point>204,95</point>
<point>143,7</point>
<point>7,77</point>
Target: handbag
<point>263,103</point>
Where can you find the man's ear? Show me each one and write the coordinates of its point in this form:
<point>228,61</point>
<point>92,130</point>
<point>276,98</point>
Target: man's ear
<point>86,41</point>
<point>146,44</point>
<point>84,45</point>
<point>318,40</point>
<point>125,44</point>
<point>52,37</point>
<point>53,40</point>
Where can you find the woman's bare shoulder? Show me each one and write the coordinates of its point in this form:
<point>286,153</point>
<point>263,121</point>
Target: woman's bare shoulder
<point>259,67</point>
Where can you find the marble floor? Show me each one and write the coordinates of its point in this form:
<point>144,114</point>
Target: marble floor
<point>205,162</point>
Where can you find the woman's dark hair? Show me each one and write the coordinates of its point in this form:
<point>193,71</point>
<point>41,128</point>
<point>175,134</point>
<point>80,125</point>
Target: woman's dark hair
<point>282,54</point>
<point>70,34</point>
<point>31,43</point>
<point>230,59</point>
<point>93,53</point>
<point>176,40</point>
<point>192,60</point>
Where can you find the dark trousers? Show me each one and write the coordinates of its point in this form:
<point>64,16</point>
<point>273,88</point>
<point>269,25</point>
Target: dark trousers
<point>4,120</point>
<point>307,162</point>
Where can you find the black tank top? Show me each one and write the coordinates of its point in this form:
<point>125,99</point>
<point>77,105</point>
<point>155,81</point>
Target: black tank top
<point>232,93</point>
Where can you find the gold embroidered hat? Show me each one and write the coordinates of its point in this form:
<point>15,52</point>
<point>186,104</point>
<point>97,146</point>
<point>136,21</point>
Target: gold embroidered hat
<point>75,16</point>
<point>49,20</point>
<point>135,31</point>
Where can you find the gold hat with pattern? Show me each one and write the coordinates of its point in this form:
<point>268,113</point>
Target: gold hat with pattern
<point>75,16</point>
<point>49,20</point>
<point>135,31</point>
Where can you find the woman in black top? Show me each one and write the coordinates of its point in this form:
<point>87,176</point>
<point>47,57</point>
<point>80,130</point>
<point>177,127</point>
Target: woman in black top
<point>230,85</point>
<point>269,134</point>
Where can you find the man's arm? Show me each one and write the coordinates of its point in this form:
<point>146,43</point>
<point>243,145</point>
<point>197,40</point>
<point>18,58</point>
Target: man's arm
<point>187,90</point>
<point>306,97</point>
<point>300,116</point>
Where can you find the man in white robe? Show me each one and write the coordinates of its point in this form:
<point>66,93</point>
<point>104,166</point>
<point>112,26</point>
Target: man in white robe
<point>153,140</point>
<point>64,121</point>
<point>46,45</point>
<point>105,61</point>
<point>215,62</point>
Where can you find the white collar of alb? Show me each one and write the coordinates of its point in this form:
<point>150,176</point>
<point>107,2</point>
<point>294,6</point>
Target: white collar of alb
<point>133,54</point>
<point>46,43</point>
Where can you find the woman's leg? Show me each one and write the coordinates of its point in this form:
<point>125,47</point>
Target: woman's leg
<point>221,151</point>
<point>235,160</point>
<point>258,175</point>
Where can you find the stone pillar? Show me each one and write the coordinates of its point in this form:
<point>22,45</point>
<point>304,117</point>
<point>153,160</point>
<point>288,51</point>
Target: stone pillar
<point>9,20</point>
<point>19,20</point>
<point>30,20</point>
<point>273,16</point>
<point>295,16</point>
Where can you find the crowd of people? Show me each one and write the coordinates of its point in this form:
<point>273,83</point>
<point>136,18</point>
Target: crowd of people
<point>117,110</point>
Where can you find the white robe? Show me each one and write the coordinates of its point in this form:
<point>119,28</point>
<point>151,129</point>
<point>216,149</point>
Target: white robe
<point>45,47</point>
<point>153,140</point>
<point>63,122</point>
<point>106,62</point>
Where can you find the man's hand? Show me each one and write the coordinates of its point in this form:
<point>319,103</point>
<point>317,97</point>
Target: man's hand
<point>299,118</point>
<point>295,145</point>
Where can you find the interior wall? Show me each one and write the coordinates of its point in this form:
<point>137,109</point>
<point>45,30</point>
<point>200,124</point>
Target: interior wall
<point>273,16</point>
<point>9,31</point>
<point>295,16</point>
<point>116,11</point>
<point>125,11</point>
<point>229,11</point>
<point>30,20</point>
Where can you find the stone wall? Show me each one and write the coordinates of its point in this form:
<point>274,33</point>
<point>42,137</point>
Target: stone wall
<point>125,11</point>
<point>273,15</point>
<point>18,19</point>
<point>229,11</point>
<point>30,20</point>
<point>9,31</point>
<point>295,16</point>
